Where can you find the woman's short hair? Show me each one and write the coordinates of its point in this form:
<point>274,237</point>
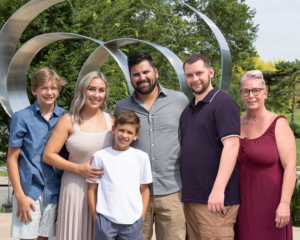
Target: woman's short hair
<point>45,75</point>
<point>253,74</point>
<point>79,98</point>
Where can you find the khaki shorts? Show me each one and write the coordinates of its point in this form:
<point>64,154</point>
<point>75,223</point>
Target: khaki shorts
<point>205,225</point>
<point>167,213</point>
<point>43,220</point>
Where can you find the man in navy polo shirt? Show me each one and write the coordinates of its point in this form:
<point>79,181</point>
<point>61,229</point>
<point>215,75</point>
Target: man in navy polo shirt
<point>210,128</point>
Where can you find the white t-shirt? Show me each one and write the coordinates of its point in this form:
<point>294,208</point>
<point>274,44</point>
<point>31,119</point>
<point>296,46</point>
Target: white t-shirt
<point>119,198</point>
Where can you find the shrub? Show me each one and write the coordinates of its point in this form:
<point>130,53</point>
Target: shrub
<point>294,126</point>
<point>295,205</point>
<point>297,132</point>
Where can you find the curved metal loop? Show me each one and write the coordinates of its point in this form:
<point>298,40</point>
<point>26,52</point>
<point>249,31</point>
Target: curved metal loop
<point>98,57</point>
<point>225,52</point>
<point>10,35</point>
<point>14,69</point>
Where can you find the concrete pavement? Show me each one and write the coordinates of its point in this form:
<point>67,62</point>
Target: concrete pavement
<point>5,223</point>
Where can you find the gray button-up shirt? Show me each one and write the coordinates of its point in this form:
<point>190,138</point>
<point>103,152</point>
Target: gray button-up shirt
<point>159,136</point>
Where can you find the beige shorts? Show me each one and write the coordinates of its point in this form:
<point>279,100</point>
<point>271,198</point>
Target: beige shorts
<point>205,225</point>
<point>43,220</point>
<point>167,213</point>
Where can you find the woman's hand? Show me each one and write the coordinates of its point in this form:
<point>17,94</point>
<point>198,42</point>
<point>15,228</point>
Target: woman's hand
<point>282,215</point>
<point>86,171</point>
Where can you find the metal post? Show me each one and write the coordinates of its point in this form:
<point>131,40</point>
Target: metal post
<point>8,195</point>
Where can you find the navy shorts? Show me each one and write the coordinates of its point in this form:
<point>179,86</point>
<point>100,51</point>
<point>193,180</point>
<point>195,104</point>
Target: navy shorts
<point>108,230</point>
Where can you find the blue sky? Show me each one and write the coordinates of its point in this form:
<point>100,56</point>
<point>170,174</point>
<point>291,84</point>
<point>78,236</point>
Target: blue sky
<point>279,28</point>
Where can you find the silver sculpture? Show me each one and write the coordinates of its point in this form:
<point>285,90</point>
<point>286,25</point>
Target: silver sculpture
<point>14,66</point>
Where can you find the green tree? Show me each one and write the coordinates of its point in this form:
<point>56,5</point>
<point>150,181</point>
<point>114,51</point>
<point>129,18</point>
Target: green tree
<point>284,86</point>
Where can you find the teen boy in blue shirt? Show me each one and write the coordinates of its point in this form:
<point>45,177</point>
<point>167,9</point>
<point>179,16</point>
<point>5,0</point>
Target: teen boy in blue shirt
<point>36,185</point>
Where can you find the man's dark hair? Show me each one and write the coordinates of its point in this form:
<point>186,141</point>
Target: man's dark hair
<point>138,57</point>
<point>196,57</point>
<point>128,117</point>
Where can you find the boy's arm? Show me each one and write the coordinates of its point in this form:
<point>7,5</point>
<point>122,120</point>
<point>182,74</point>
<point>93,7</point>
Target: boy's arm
<point>145,192</point>
<point>23,203</point>
<point>92,199</point>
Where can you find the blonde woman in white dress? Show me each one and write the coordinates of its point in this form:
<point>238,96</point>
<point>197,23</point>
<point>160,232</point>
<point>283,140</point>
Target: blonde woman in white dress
<point>84,131</point>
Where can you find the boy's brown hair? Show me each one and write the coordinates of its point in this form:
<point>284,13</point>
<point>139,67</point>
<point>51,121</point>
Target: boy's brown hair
<point>128,117</point>
<point>44,75</point>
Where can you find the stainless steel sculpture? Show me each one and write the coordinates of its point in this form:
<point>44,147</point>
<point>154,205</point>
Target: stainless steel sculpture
<point>14,66</point>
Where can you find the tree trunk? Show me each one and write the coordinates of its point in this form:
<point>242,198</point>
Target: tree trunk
<point>294,103</point>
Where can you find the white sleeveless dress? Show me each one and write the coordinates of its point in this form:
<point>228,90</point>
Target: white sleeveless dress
<point>74,220</point>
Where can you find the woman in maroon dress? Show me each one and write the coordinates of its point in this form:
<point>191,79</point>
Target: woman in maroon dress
<point>267,167</point>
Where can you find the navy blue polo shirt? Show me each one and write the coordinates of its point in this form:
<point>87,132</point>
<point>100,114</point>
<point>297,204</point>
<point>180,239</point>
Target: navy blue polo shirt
<point>203,127</point>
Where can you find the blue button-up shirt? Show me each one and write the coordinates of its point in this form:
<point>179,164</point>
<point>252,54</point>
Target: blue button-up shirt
<point>30,131</point>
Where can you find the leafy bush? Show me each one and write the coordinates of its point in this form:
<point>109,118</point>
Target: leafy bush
<point>297,132</point>
<point>2,210</point>
<point>294,126</point>
<point>295,205</point>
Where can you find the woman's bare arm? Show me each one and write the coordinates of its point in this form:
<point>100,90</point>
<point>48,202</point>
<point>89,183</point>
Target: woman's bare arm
<point>286,146</point>
<point>59,136</point>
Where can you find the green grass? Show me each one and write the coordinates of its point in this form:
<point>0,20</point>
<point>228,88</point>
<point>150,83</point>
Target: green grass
<point>3,174</point>
<point>296,117</point>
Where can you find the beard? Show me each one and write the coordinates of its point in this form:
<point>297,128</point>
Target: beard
<point>204,87</point>
<point>145,90</point>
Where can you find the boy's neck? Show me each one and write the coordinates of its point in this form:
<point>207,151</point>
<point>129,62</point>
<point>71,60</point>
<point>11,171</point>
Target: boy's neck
<point>120,149</point>
<point>46,110</point>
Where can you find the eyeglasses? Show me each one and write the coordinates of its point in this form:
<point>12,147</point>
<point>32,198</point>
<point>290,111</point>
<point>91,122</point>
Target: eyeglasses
<point>255,91</point>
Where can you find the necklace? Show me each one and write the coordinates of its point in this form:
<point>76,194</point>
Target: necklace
<point>255,120</point>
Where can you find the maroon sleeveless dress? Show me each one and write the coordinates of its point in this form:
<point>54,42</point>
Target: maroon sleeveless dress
<point>260,179</point>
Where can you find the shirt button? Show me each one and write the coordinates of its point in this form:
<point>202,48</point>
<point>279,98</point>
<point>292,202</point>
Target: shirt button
<point>153,172</point>
<point>152,145</point>
<point>48,132</point>
<point>153,158</point>
<point>151,130</point>
<point>150,116</point>
<point>47,172</point>
<point>45,185</point>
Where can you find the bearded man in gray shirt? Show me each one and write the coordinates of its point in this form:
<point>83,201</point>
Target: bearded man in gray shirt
<point>159,110</point>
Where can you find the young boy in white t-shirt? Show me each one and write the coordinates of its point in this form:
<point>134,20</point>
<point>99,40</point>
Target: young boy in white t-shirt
<point>120,199</point>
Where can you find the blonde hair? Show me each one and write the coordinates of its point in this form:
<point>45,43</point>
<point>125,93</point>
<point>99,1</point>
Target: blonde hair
<point>254,74</point>
<point>79,98</point>
<point>45,75</point>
